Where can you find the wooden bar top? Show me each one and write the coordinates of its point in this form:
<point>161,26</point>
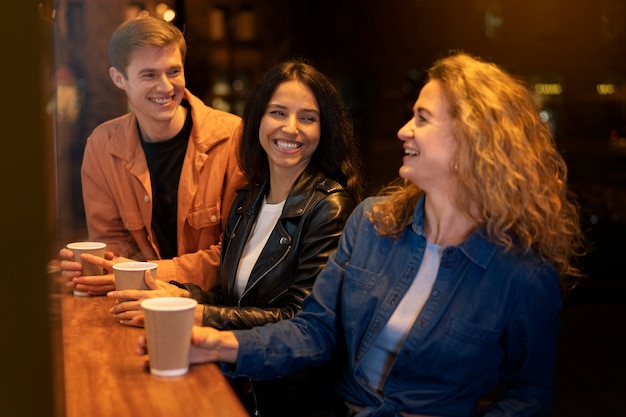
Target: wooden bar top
<point>104,377</point>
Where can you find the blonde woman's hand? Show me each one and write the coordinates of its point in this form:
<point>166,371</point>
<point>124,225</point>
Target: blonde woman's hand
<point>211,345</point>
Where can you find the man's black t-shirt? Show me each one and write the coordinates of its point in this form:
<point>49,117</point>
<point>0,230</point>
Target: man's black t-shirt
<point>165,162</point>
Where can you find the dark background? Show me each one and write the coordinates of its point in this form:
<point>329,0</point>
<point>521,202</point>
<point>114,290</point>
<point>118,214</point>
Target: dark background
<point>375,52</point>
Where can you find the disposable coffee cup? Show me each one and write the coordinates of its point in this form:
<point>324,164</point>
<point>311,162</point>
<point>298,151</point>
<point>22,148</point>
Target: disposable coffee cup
<point>92,248</point>
<point>130,275</point>
<point>168,322</point>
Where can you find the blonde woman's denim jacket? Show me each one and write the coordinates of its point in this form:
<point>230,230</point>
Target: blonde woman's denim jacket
<point>492,317</point>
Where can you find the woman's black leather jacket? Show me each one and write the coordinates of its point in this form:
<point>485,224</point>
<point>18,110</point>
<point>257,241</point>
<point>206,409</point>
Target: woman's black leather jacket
<point>306,233</point>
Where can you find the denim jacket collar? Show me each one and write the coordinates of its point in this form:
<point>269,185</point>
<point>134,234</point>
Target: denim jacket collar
<point>476,247</point>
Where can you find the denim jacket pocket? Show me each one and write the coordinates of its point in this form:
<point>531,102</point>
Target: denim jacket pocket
<point>356,294</point>
<point>359,278</point>
<point>470,333</point>
<point>467,350</point>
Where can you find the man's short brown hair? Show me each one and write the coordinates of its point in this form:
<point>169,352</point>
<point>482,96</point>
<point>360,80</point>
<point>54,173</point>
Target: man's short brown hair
<point>142,31</point>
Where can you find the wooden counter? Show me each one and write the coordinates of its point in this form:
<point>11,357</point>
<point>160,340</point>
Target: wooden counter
<point>104,377</point>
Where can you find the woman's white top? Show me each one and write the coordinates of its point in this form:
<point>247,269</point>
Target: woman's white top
<point>379,359</point>
<point>263,226</point>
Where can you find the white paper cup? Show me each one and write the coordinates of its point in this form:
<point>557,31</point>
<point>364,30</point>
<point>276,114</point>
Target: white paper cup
<point>130,275</point>
<point>92,248</point>
<point>168,322</point>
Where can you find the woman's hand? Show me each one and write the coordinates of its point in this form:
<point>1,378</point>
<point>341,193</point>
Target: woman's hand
<point>207,345</point>
<point>142,350</point>
<point>130,313</point>
<point>211,345</point>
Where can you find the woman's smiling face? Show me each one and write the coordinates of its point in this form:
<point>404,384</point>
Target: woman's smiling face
<point>429,144</point>
<point>290,128</point>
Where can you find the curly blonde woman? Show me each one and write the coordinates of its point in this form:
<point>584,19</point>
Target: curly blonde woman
<point>451,285</point>
<point>511,177</point>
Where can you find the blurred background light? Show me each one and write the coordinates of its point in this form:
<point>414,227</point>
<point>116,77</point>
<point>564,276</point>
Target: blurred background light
<point>605,89</point>
<point>548,89</point>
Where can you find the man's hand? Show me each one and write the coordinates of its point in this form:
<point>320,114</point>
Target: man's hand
<point>93,284</point>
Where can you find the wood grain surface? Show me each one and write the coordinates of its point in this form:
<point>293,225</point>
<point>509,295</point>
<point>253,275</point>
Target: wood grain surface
<point>104,377</point>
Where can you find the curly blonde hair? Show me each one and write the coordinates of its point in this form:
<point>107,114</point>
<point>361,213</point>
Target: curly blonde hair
<point>507,166</point>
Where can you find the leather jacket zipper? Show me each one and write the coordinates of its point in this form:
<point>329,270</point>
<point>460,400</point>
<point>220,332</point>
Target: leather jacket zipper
<point>270,269</point>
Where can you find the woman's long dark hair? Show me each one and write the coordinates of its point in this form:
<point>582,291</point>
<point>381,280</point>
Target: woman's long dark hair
<point>336,155</point>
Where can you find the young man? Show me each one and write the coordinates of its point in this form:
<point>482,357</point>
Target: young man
<point>159,181</point>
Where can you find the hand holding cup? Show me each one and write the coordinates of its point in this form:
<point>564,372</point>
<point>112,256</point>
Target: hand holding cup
<point>168,322</point>
<point>87,268</point>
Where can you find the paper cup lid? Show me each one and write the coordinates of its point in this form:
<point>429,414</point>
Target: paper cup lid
<point>86,245</point>
<point>168,303</point>
<point>134,266</point>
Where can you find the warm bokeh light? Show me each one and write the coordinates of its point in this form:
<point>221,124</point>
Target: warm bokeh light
<point>169,15</point>
<point>238,85</point>
<point>605,89</point>
<point>164,12</point>
<point>548,89</point>
<point>161,8</point>
<point>220,104</point>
